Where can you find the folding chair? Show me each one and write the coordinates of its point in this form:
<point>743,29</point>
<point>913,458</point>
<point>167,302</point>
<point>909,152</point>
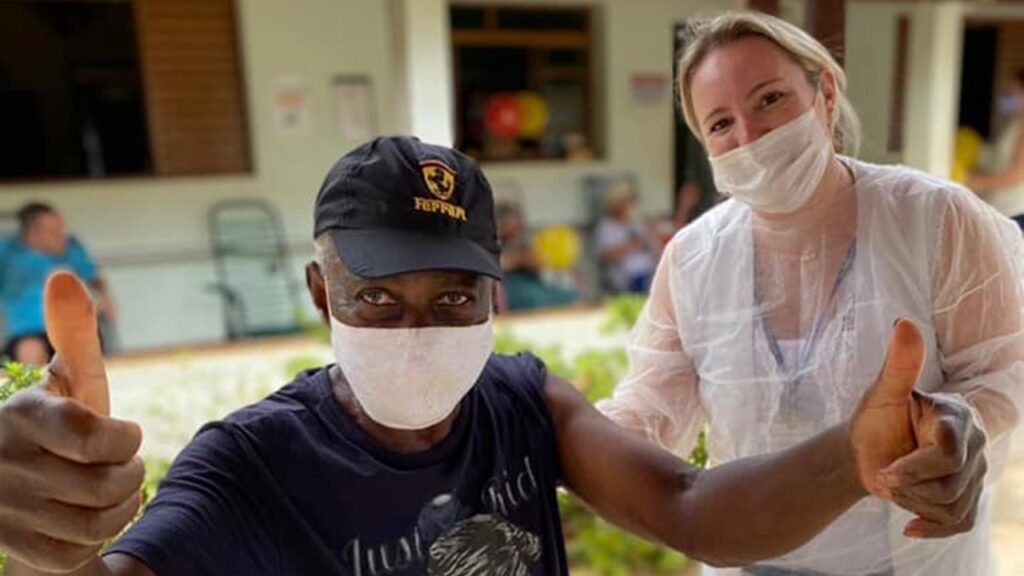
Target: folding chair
<point>254,273</point>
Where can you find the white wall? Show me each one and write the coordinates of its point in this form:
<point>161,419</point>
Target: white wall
<point>164,304</point>
<point>428,56</point>
<point>871,29</point>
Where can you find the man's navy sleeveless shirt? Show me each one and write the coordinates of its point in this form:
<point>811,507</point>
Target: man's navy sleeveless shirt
<point>291,485</point>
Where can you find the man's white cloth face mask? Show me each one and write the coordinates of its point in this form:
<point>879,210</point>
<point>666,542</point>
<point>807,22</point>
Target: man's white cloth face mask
<point>411,378</point>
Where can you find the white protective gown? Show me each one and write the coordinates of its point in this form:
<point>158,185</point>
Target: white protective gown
<point>769,334</point>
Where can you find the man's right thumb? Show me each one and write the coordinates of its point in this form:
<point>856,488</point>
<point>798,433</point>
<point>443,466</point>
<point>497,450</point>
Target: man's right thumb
<point>72,329</point>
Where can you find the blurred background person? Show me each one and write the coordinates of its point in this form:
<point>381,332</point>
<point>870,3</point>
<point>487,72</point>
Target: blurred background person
<point>687,200</point>
<point>624,243</point>
<point>524,286</point>
<point>1002,185</point>
<point>27,257</point>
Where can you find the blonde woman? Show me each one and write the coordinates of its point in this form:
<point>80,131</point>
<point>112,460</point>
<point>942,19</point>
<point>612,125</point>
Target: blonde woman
<point>769,316</point>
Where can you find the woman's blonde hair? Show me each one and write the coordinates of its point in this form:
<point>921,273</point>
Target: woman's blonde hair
<point>704,36</point>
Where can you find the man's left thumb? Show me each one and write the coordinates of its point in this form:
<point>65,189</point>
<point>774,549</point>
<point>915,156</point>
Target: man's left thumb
<point>902,368</point>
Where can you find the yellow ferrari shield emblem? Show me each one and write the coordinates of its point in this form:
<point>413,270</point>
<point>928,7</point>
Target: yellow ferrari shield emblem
<point>439,177</point>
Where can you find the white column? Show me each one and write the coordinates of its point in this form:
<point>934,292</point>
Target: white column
<point>428,70</point>
<point>933,87</point>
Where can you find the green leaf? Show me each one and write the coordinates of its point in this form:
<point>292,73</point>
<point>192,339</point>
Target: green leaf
<point>17,377</point>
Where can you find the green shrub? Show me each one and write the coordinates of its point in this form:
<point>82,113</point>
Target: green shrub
<point>622,312</point>
<point>600,548</point>
<point>17,377</point>
<point>300,364</point>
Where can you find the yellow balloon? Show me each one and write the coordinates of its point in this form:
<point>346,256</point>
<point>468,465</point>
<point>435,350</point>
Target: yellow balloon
<point>558,247</point>
<point>967,149</point>
<point>959,173</point>
<point>533,115</point>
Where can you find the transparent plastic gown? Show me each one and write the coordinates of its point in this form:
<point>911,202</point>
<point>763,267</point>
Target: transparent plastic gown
<point>769,331</point>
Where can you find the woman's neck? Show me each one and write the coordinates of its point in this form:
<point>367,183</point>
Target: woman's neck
<point>830,212</point>
<point>830,201</point>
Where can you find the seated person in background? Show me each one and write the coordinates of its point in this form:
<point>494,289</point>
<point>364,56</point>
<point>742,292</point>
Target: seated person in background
<point>687,200</point>
<point>26,259</point>
<point>523,286</point>
<point>624,243</point>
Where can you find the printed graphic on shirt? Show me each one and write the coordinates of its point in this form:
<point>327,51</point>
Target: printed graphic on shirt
<point>484,545</point>
<point>452,539</point>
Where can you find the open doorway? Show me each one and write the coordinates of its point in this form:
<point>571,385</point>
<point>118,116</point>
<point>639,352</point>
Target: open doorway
<point>977,79</point>
<point>993,56</point>
<point>691,161</point>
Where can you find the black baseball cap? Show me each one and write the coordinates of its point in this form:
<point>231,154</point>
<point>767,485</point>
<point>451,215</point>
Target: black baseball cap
<point>397,205</point>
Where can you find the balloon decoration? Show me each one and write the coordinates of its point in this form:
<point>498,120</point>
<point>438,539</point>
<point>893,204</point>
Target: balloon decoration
<point>967,150</point>
<point>557,247</point>
<point>503,116</point>
<point>533,115</point>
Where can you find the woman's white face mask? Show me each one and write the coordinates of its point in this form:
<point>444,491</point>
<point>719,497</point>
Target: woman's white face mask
<point>779,172</point>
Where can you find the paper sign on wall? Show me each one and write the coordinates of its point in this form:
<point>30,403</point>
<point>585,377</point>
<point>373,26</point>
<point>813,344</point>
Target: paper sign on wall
<point>649,88</point>
<point>291,105</point>
<point>353,105</point>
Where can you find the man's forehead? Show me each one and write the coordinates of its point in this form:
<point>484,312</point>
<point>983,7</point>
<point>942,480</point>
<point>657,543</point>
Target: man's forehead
<point>423,276</point>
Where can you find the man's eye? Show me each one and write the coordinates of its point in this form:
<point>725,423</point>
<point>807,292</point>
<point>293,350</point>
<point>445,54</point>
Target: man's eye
<point>453,299</point>
<point>376,298</point>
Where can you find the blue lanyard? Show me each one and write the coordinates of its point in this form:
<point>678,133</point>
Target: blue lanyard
<point>808,347</point>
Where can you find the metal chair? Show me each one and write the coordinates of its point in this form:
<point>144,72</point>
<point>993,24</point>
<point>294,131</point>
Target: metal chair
<point>254,273</point>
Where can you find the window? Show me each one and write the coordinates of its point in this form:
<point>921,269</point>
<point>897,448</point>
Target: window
<point>98,88</point>
<point>523,82</point>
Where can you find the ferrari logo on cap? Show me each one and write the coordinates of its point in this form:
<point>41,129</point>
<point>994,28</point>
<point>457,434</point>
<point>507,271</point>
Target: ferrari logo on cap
<point>439,177</point>
<point>440,180</point>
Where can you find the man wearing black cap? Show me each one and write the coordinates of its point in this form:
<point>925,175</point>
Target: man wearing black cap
<point>419,451</point>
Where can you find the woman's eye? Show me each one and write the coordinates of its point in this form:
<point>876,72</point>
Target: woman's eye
<point>453,299</point>
<point>770,98</point>
<point>719,126</point>
<point>376,298</point>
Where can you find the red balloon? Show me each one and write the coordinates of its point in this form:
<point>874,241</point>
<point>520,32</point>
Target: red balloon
<point>503,116</point>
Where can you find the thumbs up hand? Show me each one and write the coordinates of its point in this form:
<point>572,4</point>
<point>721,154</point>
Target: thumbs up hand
<point>925,452</point>
<point>69,474</point>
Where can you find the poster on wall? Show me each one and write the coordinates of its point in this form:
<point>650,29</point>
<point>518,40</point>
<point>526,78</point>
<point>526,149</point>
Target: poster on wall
<point>352,97</point>
<point>649,88</point>
<point>291,105</point>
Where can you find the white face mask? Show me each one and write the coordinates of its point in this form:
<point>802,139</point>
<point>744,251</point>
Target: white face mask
<point>779,172</point>
<point>411,378</point>
<point>1008,104</point>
